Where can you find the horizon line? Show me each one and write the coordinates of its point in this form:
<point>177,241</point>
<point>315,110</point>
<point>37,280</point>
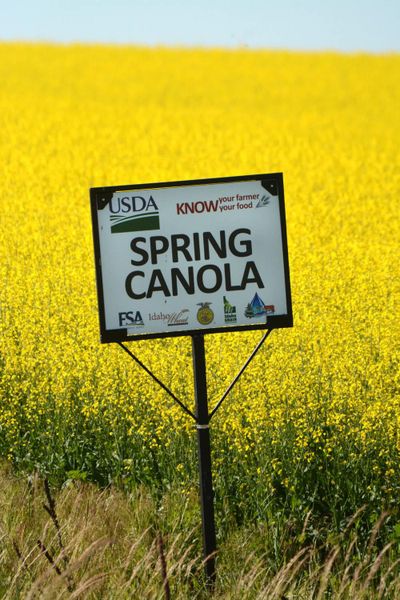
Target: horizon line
<point>190,47</point>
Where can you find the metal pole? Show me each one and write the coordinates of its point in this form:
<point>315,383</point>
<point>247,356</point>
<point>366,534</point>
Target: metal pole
<point>204,448</point>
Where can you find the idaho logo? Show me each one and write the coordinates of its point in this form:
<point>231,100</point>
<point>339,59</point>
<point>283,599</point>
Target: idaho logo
<point>204,315</point>
<point>229,311</point>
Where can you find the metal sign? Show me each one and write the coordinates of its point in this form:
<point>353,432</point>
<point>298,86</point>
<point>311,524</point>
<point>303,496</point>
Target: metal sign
<point>190,257</point>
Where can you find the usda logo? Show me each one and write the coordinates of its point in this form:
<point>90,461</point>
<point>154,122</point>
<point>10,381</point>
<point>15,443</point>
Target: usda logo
<point>133,213</point>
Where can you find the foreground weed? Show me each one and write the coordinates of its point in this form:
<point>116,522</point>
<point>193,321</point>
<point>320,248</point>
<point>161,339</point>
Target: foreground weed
<point>114,553</point>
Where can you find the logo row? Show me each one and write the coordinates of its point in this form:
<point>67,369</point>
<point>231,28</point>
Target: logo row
<point>205,314</point>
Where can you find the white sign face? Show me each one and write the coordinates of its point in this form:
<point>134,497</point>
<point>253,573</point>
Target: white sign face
<point>187,257</point>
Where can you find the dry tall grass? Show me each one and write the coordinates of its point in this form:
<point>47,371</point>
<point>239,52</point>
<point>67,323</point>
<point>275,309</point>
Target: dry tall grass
<point>82,542</point>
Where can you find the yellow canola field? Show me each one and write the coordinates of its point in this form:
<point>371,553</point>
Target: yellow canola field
<point>325,393</point>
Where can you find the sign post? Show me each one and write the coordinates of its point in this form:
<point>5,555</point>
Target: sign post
<point>204,449</point>
<point>192,258</point>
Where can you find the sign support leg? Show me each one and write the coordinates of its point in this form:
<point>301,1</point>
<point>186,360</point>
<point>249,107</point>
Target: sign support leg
<point>204,449</point>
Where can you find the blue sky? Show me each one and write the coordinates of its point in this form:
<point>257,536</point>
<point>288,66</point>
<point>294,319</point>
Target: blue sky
<point>344,25</point>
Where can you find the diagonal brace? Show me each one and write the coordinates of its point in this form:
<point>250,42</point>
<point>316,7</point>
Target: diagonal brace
<point>246,364</point>
<point>160,383</point>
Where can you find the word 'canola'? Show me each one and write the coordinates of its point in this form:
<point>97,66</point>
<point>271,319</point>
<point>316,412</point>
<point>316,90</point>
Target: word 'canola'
<point>185,249</point>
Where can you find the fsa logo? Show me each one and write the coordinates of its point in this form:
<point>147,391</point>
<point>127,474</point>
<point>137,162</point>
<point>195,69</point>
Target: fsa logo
<point>130,319</point>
